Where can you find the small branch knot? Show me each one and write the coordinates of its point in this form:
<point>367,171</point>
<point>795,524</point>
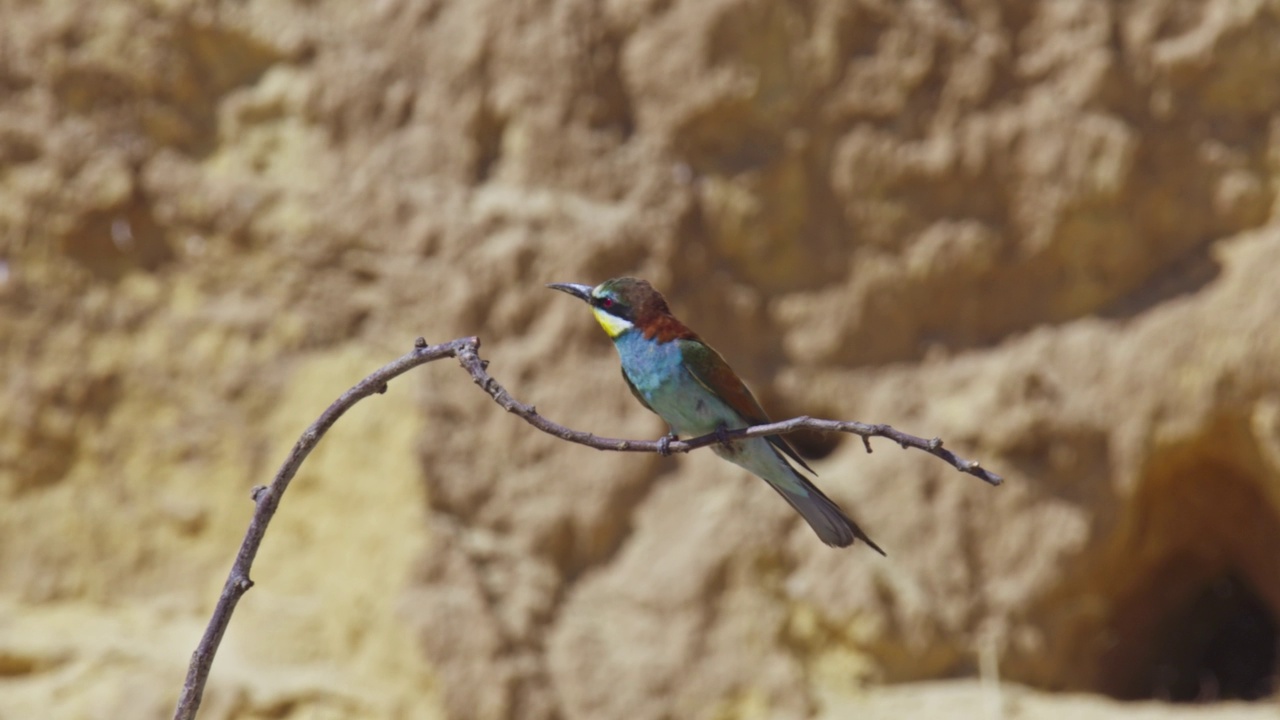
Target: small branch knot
<point>664,444</point>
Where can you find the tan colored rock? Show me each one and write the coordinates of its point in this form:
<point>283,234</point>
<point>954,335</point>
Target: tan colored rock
<point>1043,232</point>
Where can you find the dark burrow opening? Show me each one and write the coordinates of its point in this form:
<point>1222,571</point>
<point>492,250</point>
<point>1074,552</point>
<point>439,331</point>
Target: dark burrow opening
<point>1197,616</point>
<point>1219,643</point>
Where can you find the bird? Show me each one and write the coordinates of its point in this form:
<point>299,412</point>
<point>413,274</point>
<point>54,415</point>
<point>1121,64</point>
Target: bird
<point>683,380</point>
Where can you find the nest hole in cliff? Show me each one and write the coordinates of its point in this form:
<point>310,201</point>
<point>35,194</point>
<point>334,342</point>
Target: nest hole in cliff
<point>1202,622</point>
<point>1218,644</point>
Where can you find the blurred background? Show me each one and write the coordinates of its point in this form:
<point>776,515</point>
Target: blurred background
<point>1043,231</point>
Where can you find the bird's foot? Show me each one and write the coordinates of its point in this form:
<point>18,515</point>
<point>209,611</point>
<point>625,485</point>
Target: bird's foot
<point>664,444</point>
<point>722,436</point>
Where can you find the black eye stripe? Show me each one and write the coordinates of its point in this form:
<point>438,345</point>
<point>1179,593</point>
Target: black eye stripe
<point>612,306</point>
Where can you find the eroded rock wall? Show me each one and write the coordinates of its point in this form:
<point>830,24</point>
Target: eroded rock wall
<point>1042,231</point>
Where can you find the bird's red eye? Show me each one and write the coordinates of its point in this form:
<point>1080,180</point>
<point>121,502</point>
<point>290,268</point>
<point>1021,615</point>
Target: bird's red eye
<point>606,303</point>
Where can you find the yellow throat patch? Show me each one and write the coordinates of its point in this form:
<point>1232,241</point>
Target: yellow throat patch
<point>612,324</point>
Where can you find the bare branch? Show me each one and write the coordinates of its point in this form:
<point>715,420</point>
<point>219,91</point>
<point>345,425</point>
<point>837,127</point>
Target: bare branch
<point>466,350</point>
<point>471,361</point>
<point>267,499</point>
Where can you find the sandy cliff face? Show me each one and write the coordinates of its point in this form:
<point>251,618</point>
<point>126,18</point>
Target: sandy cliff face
<point>1042,231</point>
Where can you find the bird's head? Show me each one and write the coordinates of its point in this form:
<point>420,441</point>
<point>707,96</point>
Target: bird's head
<point>621,304</point>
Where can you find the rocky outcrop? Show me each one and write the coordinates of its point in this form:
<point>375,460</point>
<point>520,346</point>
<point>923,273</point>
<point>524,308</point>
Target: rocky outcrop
<point>1044,232</point>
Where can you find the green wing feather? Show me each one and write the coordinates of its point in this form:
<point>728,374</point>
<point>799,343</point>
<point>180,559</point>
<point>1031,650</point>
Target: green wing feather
<point>713,373</point>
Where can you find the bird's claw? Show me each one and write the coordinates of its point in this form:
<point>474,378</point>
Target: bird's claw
<point>664,444</point>
<point>722,435</point>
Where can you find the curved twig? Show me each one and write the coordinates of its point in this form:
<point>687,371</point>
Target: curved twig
<point>267,499</point>
<point>470,360</point>
<point>466,350</point>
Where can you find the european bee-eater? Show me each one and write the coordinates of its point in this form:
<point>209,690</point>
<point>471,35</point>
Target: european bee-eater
<point>673,373</point>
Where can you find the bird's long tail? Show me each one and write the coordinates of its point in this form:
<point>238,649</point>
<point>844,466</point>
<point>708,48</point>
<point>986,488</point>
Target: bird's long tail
<point>825,517</point>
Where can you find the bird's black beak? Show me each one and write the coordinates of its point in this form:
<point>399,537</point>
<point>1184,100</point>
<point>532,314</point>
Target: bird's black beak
<point>582,292</point>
